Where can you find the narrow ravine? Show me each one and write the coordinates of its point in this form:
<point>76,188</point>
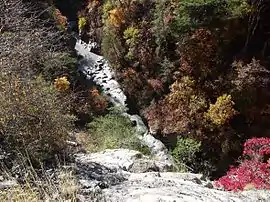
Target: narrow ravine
<point>96,69</point>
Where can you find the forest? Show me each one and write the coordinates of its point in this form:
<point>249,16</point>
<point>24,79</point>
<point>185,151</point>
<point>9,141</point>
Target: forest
<point>196,71</point>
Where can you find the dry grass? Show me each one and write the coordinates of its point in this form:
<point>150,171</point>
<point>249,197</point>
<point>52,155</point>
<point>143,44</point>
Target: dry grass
<point>42,190</point>
<point>59,185</point>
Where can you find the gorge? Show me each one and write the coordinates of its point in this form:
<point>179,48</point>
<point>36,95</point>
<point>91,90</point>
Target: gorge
<point>96,68</point>
<point>134,100</point>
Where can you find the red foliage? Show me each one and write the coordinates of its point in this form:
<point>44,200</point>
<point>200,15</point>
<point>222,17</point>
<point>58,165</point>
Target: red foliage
<point>257,148</point>
<point>250,173</point>
<point>156,84</point>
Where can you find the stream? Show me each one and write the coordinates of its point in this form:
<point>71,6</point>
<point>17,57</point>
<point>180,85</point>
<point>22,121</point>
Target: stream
<point>96,69</point>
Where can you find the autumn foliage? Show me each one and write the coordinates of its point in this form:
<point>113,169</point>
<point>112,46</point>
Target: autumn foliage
<point>252,173</point>
<point>189,68</point>
<point>116,17</point>
<point>222,111</point>
<point>198,54</point>
<point>61,19</point>
<point>61,83</point>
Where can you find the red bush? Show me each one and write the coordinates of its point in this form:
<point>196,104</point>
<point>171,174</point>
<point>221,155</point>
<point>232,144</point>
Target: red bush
<point>156,85</point>
<point>257,148</point>
<point>254,173</point>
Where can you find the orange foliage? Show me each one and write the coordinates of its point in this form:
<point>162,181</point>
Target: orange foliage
<point>94,92</point>
<point>98,102</point>
<point>129,73</point>
<point>116,17</point>
<point>61,19</point>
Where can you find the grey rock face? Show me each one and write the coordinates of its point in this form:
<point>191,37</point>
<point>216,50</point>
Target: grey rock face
<point>173,187</point>
<point>124,175</point>
<point>122,160</point>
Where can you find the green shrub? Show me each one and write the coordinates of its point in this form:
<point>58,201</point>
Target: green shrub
<point>131,35</point>
<point>112,132</point>
<point>107,6</point>
<point>239,8</point>
<point>160,29</point>
<point>184,151</point>
<point>191,14</point>
<point>33,118</point>
<point>57,64</point>
<point>111,47</point>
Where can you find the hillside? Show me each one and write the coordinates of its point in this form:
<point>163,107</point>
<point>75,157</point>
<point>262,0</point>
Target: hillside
<point>185,83</point>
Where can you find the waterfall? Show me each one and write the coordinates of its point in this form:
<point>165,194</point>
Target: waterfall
<point>97,69</point>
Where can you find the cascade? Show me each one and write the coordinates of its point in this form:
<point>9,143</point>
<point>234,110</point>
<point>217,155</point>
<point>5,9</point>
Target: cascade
<point>95,68</point>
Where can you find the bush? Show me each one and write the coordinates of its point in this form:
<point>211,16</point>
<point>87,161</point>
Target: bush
<point>253,172</point>
<point>111,47</point>
<point>82,22</point>
<point>257,148</point>
<point>57,64</point>
<point>61,84</point>
<point>190,14</point>
<point>222,111</point>
<point>250,87</point>
<point>33,119</point>
<point>112,132</point>
<point>198,54</point>
<point>60,19</point>
<point>184,152</point>
<point>180,111</point>
<point>131,35</point>
<point>87,104</point>
<point>116,17</point>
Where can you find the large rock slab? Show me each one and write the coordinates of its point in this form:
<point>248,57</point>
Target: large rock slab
<point>174,187</point>
<point>123,175</point>
<point>123,160</point>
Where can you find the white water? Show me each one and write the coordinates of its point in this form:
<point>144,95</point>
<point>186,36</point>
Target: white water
<point>97,69</point>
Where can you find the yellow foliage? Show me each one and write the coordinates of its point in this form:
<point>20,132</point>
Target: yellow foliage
<point>131,35</point>
<point>116,17</point>
<point>181,90</point>
<point>61,84</point>
<point>81,23</point>
<point>222,111</point>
